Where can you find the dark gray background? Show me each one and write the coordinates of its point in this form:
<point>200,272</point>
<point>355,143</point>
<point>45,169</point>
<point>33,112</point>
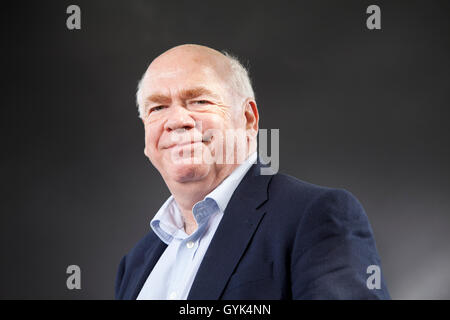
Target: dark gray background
<point>357,109</point>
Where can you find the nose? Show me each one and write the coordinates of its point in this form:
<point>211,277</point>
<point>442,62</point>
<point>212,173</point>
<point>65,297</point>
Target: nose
<point>179,118</point>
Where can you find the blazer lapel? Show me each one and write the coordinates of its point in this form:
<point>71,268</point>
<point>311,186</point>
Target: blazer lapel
<point>240,220</point>
<point>140,274</point>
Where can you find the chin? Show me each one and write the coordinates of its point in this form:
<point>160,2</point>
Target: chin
<point>188,172</point>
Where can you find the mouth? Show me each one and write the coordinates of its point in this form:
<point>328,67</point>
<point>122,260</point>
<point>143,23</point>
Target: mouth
<point>190,143</point>
<point>205,140</point>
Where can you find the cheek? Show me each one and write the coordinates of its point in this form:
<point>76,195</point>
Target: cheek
<point>221,130</point>
<point>152,135</point>
<point>215,122</point>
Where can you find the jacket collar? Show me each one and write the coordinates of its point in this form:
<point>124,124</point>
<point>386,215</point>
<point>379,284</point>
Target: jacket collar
<point>241,218</point>
<point>139,275</point>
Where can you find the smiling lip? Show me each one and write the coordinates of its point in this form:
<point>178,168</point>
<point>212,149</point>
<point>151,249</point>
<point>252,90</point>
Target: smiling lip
<point>182,144</point>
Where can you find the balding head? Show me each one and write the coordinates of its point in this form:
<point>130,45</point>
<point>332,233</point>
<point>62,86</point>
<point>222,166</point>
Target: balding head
<point>191,53</point>
<point>191,58</point>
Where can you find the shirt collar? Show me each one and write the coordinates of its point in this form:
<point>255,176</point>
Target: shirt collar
<point>168,221</point>
<point>222,194</point>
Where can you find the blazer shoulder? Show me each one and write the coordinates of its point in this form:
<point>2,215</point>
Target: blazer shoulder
<point>283,185</point>
<point>293,184</point>
<point>303,200</point>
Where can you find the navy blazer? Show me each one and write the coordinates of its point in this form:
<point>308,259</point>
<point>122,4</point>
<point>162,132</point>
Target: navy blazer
<point>279,238</point>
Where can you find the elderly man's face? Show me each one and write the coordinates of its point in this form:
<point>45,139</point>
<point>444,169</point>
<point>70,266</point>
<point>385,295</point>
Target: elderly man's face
<point>189,108</point>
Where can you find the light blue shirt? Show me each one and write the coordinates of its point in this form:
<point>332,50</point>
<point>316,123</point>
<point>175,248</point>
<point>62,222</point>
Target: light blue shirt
<point>175,271</point>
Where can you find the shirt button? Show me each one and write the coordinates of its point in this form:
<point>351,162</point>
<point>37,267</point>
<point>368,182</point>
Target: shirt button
<point>173,295</point>
<point>190,245</point>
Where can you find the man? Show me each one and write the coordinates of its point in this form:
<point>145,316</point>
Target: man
<point>228,231</point>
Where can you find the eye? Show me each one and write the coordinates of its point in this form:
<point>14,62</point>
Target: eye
<point>200,102</point>
<point>157,108</point>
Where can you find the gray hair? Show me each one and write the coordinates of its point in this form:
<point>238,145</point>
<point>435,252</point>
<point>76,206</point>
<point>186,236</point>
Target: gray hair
<point>239,80</point>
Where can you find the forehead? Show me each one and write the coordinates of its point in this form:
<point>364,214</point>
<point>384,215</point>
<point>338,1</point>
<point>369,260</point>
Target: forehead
<point>173,76</point>
<point>182,75</point>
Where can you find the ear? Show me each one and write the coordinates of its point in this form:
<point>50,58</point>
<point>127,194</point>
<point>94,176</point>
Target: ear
<point>251,118</point>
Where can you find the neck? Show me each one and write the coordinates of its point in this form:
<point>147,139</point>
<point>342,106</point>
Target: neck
<point>187,194</point>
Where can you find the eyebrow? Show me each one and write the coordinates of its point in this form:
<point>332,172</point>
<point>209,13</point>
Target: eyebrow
<point>197,92</point>
<point>185,94</point>
<point>157,98</point>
